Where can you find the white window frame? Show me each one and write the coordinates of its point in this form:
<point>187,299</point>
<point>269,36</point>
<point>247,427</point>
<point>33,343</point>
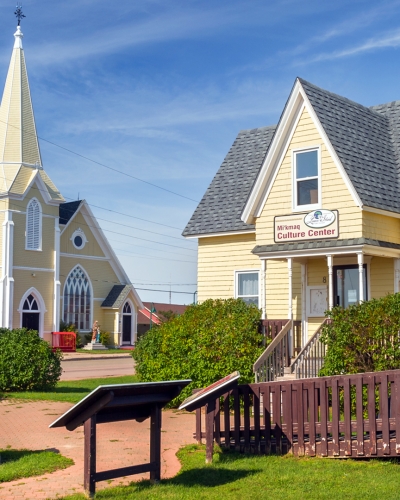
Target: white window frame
<point>39,249</point>
<point>312,206</point>
<point>236,279</point>
<point>91,297</point>
<point>79,232</point>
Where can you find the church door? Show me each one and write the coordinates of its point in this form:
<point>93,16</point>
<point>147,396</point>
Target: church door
<point>30,314</point>
<point>127,324</point>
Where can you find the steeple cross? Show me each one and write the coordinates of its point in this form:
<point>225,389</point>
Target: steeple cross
<point>18,13</point>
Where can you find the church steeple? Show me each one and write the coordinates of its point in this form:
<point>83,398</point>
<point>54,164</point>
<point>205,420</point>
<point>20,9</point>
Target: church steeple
<point>20,159</point>
<point>18,138</point>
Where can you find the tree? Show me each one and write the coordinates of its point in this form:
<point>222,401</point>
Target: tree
<point>364,337</point>
<point>207,342</point>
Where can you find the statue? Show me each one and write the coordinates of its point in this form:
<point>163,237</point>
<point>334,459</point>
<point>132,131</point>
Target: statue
<point>95,332</point>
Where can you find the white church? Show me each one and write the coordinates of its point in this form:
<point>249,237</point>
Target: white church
<point>56,263</point>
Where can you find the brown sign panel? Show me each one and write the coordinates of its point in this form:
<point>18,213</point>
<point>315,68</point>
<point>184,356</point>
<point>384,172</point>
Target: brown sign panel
<point>213,391</point>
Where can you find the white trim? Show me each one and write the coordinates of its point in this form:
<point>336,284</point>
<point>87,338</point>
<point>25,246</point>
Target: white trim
<point>39,249</point>
<point>36,269</point>
<point>278,147</point>
<point>41,305</point>
<point>122,314</point>
<point>79,256</point>
<point>236,282</point>
<point>306,208</point>
<point>91,293</point>
<point>42,190</point>
<point>213,235</point>
<point>57,283</point>
<point>82,235</point>
<point>380,211</point>
<point>368,249</point>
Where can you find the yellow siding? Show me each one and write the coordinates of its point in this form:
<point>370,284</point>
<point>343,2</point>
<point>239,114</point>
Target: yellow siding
<point>382,277</point>
<point>218,258</point>
<point>22,180</point>
<point>43,282</point>
<point>30,148</point>
<point>313,325</point>
<point>277,290</point>
<point>317,270</point>
<point>381,227</point>
<point>100,272</point>
<point>91,247</point>
<point>280,198</point>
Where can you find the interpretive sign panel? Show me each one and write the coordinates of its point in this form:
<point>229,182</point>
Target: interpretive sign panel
<point>115,403</point>
<point>315,225</point>
<point>213,391</point>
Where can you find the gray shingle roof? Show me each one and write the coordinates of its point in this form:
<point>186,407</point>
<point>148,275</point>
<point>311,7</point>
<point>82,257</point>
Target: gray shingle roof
<point>117,296</point>
<point>366,140</point>
<point>222,205</point>
<point>325,244</point>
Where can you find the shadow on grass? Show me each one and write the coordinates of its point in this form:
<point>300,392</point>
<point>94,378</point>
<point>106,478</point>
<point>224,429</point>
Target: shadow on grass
<point>14,455</point>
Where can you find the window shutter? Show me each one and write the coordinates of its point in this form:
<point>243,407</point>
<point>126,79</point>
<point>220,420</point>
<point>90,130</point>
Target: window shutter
<point>33,225</point>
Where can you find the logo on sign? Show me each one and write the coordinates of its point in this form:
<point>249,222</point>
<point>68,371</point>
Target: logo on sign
<point>319,218</point>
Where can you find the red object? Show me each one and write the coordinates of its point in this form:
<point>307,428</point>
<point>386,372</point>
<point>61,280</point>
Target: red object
<point>65,341</point>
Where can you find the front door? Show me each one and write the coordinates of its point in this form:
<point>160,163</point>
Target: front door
<point>30,320</point>
<point>126,329</point>
<point>347,285</point>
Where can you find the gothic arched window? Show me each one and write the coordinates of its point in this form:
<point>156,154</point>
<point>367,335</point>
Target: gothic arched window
<point>34,225</point>
<point>77,299</point>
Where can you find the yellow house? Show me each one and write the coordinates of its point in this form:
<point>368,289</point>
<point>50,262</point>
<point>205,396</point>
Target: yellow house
<point>305,215</point>
<point>56,263</point>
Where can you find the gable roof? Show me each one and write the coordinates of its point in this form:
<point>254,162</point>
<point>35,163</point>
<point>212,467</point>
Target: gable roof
<point>221,207</point>
<point>117,296</point>
<point>67,210</point>
<point>366,141</point>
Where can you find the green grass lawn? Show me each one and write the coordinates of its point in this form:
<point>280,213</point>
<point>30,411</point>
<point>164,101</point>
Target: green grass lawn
<point>70,391</point>
<point>242,477</point>
<point>16,464</point>
<point>110,351</point>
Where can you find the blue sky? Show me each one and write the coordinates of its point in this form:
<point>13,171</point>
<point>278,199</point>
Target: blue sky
<point>159,90</point>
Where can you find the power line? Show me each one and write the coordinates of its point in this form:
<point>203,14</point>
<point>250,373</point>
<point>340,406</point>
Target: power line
<point>115,232</point>
<point>103,164</point>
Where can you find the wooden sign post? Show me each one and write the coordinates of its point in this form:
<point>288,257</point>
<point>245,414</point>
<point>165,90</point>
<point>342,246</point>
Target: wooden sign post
<point>207,397</point>
<point>114,403</point>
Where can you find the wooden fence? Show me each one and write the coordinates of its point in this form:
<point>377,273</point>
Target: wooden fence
<point>342,416</point>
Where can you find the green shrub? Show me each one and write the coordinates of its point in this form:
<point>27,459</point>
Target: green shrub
<point>363,338</point>
<point>207,342</point>
<point>27,362</point>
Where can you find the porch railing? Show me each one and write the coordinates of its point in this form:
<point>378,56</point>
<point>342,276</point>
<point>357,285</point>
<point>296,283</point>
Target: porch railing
<point>65,341</point>
<point>272,362</point>
<point>311,358</point>
<point>353,416</point>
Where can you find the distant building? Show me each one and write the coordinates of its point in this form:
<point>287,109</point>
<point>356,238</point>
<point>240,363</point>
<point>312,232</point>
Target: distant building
<point>56,263</point>
<point>146,316</point>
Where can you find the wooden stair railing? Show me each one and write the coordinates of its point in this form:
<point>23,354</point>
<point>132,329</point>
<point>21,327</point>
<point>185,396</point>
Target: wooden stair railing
<point>311,358</point>
<point>272,362</point>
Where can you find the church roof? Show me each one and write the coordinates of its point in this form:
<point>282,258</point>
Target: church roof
<point>67,210</point>
<point>20,157</point>
<point>117,296</point>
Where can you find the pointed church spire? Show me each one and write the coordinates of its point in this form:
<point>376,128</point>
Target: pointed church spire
<point>18,139</point>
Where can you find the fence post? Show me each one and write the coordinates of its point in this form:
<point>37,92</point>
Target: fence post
<point>210,412</point>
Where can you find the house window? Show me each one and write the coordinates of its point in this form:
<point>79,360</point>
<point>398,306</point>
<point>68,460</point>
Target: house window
<point>247,287</point>
<point>33,225</point>
<point>78,239</point>
<point>306,179</point>
<point>77,299</point>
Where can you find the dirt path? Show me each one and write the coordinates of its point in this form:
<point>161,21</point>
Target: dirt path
<point>25,425</point>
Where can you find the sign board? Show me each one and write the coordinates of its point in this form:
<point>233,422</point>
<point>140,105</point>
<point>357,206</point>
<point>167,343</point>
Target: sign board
<point>315,225</point>
<point>213,391</point>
